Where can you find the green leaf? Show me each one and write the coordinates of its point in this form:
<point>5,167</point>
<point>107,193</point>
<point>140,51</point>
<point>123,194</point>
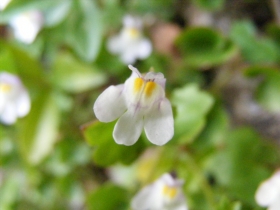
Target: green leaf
<point>73,76</point>
<point>210,4</point>
<point>18,6</point>
<point>267,93</point>
<point>163,9</point>
<point>28,68</point>
<point>9,191</point>
<point>204,47</point>
<point>68,154</point>
<point>107,151</point>
<point>274,32</point>
<point>7,61</point>
<point>192,106</point>
<point>225,204</point>
<point>96,133</point>
<point>238,166</point>
<point>84,29</point>
<point>39,129</point>
<point>56,13</point>
<point>215,131</point>
<point>108,197</point>
<point>255,50</point>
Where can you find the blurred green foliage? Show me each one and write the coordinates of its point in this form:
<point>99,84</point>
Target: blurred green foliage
<point>60,157</point>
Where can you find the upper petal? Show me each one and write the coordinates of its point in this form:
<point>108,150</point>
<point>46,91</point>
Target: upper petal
<point>128,128</point>
<point>130,21</point>
<point>157,77</point>
<point>167,179</point>
<point>159,123</point>
<point>110,104</point>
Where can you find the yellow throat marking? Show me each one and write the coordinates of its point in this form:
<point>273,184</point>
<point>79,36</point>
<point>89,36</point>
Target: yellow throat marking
<point>148,87</point>
<point>170,192</point>
<point>138,84</point>
<point>5,88</point>
<point>133,32</point>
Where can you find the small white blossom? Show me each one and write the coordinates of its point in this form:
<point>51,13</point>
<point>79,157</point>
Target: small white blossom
<point>3,4</point>
<point>268,193</point>
<point>130,44</point>
<point>27,25</point>
<point>14,99</point>
<point>164,194</point>
<point>139,102</point>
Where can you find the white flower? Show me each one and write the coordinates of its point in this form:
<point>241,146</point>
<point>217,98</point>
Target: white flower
<point>268,193</point>
<point>26,26</point>
<point>3,4</point>
<point>164,194</point>
<point>130,43</point>
<point>14,99</point>
<point>139,102</point>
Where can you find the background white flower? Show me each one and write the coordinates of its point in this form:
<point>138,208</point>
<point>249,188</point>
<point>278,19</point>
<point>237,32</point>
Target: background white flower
<point>139,102</point>
<point>3,4</point>
<point>164,194</point>
<point>14,99</point>
<point>130,44</point>
<point>27,25</point>
<point>268,193</point>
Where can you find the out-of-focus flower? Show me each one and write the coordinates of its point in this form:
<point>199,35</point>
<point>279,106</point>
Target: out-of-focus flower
<point>139,102</point>
<point>14,99</point>
<point>268,193</point>
<point>130,44</point>
<point>123,175</point>
<point>164,194</point>
<point>27,25</point>
<point>3,4</point>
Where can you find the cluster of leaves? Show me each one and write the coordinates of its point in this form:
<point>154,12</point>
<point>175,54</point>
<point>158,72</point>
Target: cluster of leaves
<point>60,157</point>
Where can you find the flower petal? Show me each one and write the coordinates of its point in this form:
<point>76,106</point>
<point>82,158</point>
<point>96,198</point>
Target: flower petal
<point>267,193</point>
<point>9,115</point>
<point>135,71</point>
<point>149,197</point>
<point>115,44</point>
<point>132,22</point>
<point>275,205</point>
<point>144,48</point>
<point>159,123</point>
<point>23,104</point>
<point>157,77</point>
<point>128,56</point>
<point>181,206</point>
<point>110,104</point>
<point>128,128</point>
<point>26,26</point>
<point>2,102</point>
